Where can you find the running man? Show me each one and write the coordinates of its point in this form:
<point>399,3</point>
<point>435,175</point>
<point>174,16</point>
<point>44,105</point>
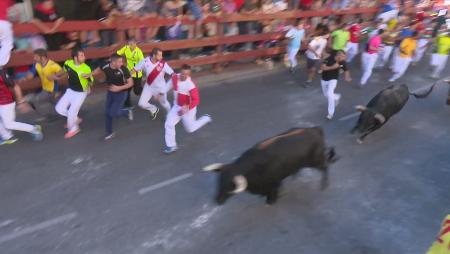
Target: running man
<point>186,100</point>
<point>8,112</point>
<point>119,81</point>
<point>439,59</point>
<point>48,71</point>
<point>406,53</point>
<point>295,36</point>
<point>353,44</point>
<point>134,55</point>
<point>369,57</point>
<point>80,80</point>
<point>6,33</point>
<point>155,68</point>
<point>330,74</point>
<point>339,38</point>
<point>314,53</point>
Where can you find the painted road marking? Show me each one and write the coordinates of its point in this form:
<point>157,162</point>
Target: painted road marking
<point>165,183</point>
<point>38,227</point>
<point>352,115</point>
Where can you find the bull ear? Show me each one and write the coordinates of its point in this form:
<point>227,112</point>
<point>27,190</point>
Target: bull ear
<point>360,108</point>
<point>213,167</point>
<point>380,118</point>
<point>241,184</point>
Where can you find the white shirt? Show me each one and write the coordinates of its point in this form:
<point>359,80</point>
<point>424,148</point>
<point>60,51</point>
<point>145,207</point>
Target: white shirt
<point>318,44</point>
<point>147,66</point>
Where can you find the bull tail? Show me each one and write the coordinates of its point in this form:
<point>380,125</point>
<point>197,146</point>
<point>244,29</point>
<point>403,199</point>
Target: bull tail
<point>331,155</point>
<point>424,95</point>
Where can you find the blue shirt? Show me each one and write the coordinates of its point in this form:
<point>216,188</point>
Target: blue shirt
<point>295,37</point>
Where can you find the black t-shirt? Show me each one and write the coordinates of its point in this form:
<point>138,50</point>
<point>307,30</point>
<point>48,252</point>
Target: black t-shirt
<point>332,74</point>
<point>117,77</point>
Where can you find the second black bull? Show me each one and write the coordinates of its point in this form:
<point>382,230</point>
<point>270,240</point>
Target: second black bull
<point>382,107</point>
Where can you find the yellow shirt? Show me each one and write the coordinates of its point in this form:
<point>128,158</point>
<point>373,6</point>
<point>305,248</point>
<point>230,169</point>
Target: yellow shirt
<point>407,48</point>
<point>442,243</point>
<point>392,24</point>
<point>49,69</point>
<point>443,44</point>
<point>133,58</point>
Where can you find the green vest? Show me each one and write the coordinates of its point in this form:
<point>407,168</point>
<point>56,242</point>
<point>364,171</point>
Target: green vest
<point>80,70</point>
<point>133,58</point>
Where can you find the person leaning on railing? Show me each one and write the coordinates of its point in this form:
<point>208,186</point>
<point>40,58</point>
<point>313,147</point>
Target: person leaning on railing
<point>133,55</point>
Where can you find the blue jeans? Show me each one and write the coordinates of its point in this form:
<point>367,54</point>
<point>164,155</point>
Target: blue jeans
<point>114,108</point>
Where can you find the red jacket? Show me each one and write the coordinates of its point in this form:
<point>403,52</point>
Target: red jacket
<point>4,5</point>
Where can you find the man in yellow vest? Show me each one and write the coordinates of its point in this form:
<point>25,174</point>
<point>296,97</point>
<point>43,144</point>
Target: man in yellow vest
<point>442,242</point>
<point>439,59</point>
<point>133,55</point>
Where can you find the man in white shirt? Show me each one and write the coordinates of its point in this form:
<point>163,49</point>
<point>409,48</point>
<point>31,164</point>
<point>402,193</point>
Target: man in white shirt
<point>155,68</point>
<point>314,54</point>
<point>186,100</point>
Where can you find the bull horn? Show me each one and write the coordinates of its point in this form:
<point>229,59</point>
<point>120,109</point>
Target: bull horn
<point>241,184</point>
<point>380,118</point>
<point>213,167</point>
<point>360,108</point>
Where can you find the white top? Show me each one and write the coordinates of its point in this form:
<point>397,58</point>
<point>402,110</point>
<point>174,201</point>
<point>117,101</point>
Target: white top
<point>147,66</point>
<point>318,44</point>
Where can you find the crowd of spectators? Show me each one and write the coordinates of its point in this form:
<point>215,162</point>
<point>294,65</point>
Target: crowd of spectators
<point>38,12</point>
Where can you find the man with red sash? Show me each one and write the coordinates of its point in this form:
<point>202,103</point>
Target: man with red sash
<point>155,68</point>
<point>186,100</point>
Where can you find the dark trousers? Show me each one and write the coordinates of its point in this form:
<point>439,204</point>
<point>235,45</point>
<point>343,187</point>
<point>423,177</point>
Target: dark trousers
<point>137,89</point>
<point>114,108</point>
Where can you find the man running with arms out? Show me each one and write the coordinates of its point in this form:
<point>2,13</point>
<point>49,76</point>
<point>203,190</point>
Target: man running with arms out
<point>134,55</point>
<point>48,71</point>
<point>154,68</point>
<point>186,100</point>
<point>80,80</point>
<point>119,80</point>
<point>330,74</point>
<point>8,112</point>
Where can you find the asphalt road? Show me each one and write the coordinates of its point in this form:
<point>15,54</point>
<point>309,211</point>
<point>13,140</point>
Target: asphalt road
<point>87,196</point>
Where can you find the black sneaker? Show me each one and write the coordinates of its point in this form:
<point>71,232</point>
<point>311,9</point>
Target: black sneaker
<point>153,115</point>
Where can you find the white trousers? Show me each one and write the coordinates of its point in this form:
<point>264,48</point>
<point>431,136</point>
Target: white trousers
<point>401,65</point>
<point>352,51</point>
<point>328,88</point>
<point>420,50</point>
<point>147,93</point>
<point>394,58</point>
<point>69,106</point>
<point>383,55</point>
<point>8,122</point>
<point>367,63</point>
<point>6,42</point>
<point>190,123</point>
<point>292,56</point>
<point>439,62</point>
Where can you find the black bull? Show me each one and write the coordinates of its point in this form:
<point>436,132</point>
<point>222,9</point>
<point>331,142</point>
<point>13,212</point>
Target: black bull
<point>261,169</point>
<point>382,107</point>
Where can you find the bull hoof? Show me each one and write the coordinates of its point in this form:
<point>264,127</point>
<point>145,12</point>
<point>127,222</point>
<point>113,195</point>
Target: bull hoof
<point>359,141</point>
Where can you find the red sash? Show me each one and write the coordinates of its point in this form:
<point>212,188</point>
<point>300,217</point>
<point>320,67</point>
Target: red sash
<point>155,72</point>
<point>175,82</point>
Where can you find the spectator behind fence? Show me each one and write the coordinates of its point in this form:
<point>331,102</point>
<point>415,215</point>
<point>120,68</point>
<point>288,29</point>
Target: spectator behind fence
<point>46,12</point>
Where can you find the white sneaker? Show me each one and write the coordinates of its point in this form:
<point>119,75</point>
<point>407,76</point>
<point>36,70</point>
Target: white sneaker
<point>391,80</point>
<point>329,117</point>
<point>337,99</point>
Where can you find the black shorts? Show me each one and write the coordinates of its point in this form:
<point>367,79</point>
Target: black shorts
<point>312,63</point>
